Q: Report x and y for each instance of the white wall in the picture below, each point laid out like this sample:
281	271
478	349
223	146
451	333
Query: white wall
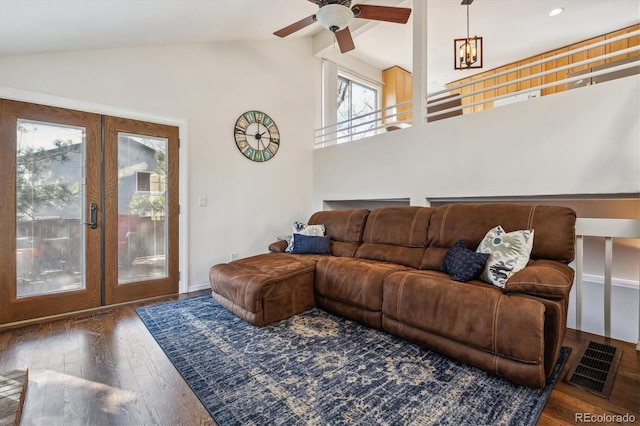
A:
208	86
624	312
583	141
578	142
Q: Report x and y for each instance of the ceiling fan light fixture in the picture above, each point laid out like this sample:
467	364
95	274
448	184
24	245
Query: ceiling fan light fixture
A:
334	17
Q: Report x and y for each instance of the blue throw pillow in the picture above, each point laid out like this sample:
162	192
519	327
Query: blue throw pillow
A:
463	264
309	244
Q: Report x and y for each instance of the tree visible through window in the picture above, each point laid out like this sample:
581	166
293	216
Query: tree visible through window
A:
355	100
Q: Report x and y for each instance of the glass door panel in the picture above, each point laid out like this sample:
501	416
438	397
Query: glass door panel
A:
142	208
50	194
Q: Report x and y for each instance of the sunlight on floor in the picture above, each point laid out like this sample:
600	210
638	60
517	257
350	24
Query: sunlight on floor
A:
106	398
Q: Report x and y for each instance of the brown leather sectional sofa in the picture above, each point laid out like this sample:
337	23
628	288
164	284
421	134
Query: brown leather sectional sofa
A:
384	271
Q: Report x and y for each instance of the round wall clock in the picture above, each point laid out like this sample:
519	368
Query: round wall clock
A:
257	136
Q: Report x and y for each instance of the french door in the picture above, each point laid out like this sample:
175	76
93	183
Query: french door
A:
141	210
88	210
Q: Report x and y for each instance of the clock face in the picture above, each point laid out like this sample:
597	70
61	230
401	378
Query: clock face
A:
257	136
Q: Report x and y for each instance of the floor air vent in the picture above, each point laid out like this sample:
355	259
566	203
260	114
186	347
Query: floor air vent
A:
595	368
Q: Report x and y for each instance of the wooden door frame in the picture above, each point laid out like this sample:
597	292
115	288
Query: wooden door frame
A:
13	308
114	291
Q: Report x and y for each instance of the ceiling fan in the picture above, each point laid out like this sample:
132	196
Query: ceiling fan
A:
336	15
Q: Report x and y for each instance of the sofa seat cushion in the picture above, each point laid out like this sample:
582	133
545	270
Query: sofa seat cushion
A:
265	288
475	313
356	282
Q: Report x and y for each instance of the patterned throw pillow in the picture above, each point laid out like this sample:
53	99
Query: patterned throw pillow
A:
307	244
463	264
304	229
509	253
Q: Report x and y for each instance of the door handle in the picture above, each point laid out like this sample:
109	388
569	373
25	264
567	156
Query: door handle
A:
93	216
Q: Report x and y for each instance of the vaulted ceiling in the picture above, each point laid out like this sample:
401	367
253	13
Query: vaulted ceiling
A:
511	29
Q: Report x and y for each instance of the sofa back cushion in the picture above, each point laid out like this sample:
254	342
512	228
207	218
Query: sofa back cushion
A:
344	227
554	228
396	234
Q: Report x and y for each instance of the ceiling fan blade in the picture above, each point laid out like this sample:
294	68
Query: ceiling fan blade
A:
345	41
399	15
296	26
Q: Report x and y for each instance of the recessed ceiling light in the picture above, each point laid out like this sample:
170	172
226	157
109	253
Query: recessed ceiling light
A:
557	11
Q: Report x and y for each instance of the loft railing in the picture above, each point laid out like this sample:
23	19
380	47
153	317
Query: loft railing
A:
462	99
609	229
465	94
364	125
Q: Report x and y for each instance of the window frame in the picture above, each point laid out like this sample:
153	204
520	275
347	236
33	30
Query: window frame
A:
375	87
138	174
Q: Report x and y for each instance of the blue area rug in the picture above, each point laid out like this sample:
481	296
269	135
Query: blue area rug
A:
318	368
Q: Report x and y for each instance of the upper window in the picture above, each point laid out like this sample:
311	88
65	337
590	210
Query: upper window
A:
356	103
144	182
150	182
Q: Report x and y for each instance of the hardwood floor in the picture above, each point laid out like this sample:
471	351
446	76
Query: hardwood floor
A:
99	369
105	368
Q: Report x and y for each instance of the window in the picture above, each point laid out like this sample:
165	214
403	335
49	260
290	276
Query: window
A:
150	182
144	182
355	101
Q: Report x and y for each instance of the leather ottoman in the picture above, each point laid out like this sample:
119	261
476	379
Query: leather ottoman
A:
265	288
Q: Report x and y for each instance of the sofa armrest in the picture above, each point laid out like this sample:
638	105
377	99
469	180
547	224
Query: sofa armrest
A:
278	247
543	278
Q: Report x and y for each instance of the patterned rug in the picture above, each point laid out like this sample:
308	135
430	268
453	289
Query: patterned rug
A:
317	368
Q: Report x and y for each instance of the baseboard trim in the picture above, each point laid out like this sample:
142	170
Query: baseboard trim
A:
199	287
80	313
615	282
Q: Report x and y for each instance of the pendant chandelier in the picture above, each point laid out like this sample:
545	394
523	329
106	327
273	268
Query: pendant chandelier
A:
467	52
